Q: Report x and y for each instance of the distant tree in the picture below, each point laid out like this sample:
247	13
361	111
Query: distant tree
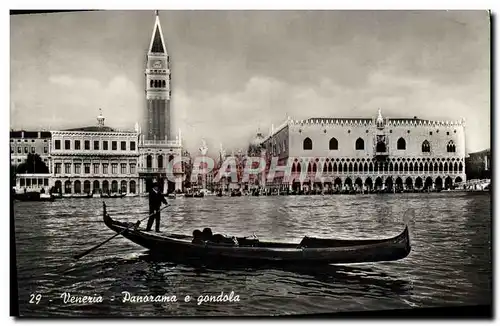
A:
33	164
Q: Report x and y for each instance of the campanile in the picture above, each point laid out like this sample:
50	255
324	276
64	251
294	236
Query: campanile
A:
157	117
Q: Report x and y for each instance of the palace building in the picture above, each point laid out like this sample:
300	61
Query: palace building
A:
23	143
158	147
95	159
376	153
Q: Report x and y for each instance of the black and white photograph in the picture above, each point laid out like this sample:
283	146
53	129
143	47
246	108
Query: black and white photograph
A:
239	163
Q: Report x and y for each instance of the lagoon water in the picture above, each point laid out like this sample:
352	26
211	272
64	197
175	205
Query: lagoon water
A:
450	262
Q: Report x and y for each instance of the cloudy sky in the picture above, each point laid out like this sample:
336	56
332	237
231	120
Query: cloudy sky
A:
234	72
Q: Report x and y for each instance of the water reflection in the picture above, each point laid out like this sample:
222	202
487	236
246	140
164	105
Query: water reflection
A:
450	262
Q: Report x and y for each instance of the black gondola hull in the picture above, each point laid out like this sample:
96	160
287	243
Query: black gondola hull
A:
310	250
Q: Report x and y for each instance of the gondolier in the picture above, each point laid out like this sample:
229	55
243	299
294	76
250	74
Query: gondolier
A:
156	198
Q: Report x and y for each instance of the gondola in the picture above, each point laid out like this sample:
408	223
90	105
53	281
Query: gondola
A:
84	195
252	250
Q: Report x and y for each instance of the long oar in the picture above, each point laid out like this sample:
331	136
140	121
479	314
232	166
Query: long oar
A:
104	242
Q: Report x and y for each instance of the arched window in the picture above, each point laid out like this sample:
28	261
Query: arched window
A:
132	187
123	187
149	161
401	144
334	144
160	161
308	144
450	148
78	187
426	147
360	144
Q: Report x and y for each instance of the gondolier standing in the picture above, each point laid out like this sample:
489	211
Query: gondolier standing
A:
155	200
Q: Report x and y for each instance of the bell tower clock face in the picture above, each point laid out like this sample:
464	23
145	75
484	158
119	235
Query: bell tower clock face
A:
157	64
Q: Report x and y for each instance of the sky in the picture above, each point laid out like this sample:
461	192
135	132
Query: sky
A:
235	72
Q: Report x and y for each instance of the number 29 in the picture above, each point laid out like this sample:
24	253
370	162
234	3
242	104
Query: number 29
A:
35	298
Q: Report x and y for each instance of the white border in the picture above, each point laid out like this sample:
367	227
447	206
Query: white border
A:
200	4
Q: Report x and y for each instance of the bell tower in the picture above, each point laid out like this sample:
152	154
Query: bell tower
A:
157	73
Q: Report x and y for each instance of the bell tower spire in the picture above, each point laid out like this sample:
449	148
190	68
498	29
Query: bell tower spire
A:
156	125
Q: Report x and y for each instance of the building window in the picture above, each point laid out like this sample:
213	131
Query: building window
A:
132	168
450	148
25	150
45	182
57	167
77	144
334	144
426	147
105	145
123	168
430	133
96	168
33	150
45	150
360	144
132	145
105	168
22	182
123	145
401	144
86	168
114	168
67	144
57	144
447	133
96	145
308	144
78	168
67	168
87	145
114	145
19	150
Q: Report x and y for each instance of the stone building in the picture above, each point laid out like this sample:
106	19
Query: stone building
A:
159	149
369	153
23	143
95	159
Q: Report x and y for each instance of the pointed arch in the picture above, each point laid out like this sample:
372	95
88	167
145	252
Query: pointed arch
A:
401	144
426	146
460	167
307	144
330	167
345	168
450	148
455	167
391	167
396	167
411	167
445	168
360	144
334	144
335	167
355	167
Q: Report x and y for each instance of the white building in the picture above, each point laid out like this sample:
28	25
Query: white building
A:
95	159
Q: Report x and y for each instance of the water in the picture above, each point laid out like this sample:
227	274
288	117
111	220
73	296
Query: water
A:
450	262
